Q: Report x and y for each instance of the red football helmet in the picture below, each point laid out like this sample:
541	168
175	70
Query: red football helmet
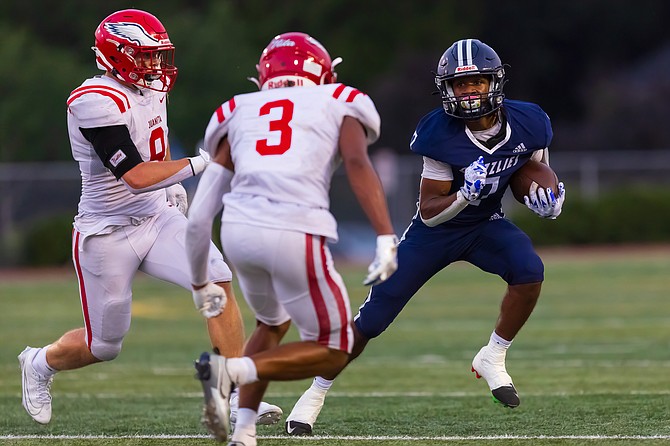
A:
295	59
134	46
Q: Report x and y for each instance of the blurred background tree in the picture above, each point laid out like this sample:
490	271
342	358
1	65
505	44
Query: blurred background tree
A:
598	68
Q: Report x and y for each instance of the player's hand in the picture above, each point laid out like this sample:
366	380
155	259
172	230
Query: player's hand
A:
198	163
176	196
210	300
385	262
475	177
545	203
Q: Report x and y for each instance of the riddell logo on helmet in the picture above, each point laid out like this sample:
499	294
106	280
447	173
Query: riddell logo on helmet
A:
283	82
278	43
467	68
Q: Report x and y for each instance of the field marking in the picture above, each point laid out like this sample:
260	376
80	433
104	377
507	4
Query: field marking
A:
346	437
332	394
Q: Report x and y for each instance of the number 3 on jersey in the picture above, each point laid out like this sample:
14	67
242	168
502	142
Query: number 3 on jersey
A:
281	125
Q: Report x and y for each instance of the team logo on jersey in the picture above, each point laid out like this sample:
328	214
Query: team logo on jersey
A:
133	32
155	121
116	159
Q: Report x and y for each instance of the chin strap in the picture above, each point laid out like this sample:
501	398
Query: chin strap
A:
254	81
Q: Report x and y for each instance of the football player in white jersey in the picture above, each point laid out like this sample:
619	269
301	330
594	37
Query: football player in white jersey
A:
131	210
274	153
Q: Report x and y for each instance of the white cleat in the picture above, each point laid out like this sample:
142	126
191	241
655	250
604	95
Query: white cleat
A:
243	440
268	414
303	416
490	365
36	397
216	385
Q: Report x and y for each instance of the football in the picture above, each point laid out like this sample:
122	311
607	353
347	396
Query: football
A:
532	171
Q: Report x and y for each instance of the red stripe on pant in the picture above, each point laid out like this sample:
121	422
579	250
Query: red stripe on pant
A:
315	292
82	287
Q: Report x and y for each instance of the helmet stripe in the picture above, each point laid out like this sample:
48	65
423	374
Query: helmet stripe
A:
469	51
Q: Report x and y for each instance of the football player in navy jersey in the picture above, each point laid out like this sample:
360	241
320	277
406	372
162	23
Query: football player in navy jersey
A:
471	146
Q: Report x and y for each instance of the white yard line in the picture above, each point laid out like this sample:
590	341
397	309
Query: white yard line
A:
347	438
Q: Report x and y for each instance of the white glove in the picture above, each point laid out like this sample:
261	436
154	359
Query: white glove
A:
386	260
210	300
176	196
543	202
475	177
198	163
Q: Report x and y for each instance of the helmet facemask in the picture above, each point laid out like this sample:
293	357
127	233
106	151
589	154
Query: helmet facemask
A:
472	106
151	64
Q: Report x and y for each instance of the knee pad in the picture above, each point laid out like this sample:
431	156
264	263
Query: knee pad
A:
106	350
115	323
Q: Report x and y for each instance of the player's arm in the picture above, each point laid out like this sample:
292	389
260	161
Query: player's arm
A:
362	177
206	204
369	192
434	199
119	154
436	203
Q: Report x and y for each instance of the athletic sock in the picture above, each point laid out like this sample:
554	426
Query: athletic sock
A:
321	383
242	370
498	342
41	365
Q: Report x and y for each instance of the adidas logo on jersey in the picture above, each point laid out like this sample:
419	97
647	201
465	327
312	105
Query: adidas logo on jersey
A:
520	148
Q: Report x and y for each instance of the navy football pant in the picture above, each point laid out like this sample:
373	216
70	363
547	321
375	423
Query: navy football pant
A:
495	246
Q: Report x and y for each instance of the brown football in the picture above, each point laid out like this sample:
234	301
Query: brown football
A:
535	171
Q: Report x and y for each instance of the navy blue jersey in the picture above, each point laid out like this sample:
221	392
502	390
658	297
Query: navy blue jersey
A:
444	138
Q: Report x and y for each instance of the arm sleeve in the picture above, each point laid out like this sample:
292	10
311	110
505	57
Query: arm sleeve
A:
448	213
114	147
206	203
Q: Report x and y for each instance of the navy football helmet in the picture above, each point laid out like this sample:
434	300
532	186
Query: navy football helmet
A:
464	58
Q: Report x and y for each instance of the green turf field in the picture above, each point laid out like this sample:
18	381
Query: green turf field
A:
592	365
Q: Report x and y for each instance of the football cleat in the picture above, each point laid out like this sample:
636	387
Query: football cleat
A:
268	414
490	365
216	385
303	416
36	396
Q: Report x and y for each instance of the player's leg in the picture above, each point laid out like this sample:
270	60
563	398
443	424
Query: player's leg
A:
166	260
417	263
226	331
505	250
105	292
306	286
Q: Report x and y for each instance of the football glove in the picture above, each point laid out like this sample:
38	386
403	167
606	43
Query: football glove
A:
210	300
176	196
385	262
198	163
475	177
544	202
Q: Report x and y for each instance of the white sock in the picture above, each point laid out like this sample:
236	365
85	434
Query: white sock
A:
245	418
497	342
245	427
321	383
242	370
41	365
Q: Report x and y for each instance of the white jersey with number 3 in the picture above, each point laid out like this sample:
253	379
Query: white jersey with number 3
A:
285	148
103	102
